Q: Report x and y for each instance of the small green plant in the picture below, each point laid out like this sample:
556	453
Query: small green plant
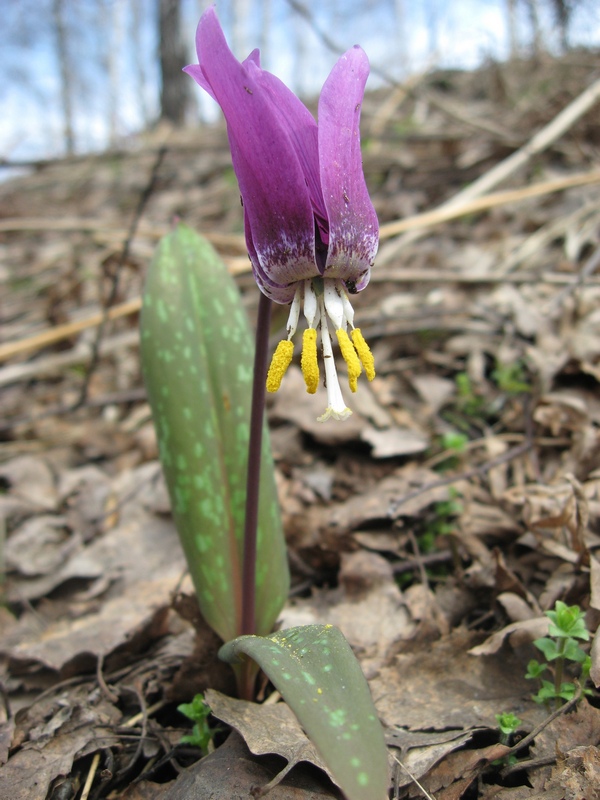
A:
457	442
198	712
567	628
453	445
508	724
443	521
469	402
511	378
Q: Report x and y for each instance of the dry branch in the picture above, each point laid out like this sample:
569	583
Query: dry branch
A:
537	144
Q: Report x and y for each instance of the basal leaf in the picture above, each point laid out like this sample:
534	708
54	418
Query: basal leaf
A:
316	672
197	358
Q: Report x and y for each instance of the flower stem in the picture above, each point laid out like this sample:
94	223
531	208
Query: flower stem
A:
248	621
558	671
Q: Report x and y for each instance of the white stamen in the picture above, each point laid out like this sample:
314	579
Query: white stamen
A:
310	304
348	310
336	407
292	322
334	305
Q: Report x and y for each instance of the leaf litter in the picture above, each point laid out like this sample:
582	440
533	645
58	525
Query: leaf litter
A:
435	527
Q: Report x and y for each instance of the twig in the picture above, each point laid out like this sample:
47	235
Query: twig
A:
537	144
590	266
80	354
90	777
114	289
453	210
56	334
413	778
108	693
509	455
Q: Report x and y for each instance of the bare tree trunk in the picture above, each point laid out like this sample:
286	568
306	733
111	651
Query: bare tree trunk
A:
534	18
511	18
140	58
117	40
562	11
432	22
66	75
401	37
175	91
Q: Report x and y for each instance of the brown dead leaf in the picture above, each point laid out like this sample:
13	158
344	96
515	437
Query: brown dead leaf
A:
82	730
31	481
578	728
6	735
143	580
266	729
434	390
594	583
515	634
595	655
230	773
438	685
40	545
389	442
577	774
420	750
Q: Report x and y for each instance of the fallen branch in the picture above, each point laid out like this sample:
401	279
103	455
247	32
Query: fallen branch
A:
537	144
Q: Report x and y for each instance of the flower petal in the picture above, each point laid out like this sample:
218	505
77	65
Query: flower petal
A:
301	127
272	181
353	226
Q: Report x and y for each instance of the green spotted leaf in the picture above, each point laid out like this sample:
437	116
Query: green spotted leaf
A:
317	674
197	359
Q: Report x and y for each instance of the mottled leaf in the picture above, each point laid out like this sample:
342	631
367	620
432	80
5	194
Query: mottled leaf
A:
197	357
320	679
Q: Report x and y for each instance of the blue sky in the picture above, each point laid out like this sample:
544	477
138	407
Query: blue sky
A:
455	33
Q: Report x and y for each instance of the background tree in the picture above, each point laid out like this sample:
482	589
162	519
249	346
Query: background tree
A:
65	71
175	86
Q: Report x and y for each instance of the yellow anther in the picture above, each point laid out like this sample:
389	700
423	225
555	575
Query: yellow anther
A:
364	353
279	364
350	357
308	362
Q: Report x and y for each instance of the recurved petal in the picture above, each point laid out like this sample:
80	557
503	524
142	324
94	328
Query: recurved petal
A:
353	226
271	178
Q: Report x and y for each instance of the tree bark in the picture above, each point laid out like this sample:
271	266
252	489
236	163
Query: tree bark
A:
66	75
175	90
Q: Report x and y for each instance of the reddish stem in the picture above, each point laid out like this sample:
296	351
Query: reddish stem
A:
257	414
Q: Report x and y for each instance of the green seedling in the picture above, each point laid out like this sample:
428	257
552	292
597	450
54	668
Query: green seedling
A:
443	520
454	444
508	724
567	628
198	712
454	441
469	401
511	378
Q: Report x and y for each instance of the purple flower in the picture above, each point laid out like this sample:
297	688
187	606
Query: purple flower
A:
311	229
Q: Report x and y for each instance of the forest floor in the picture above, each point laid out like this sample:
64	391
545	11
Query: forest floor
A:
434	527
